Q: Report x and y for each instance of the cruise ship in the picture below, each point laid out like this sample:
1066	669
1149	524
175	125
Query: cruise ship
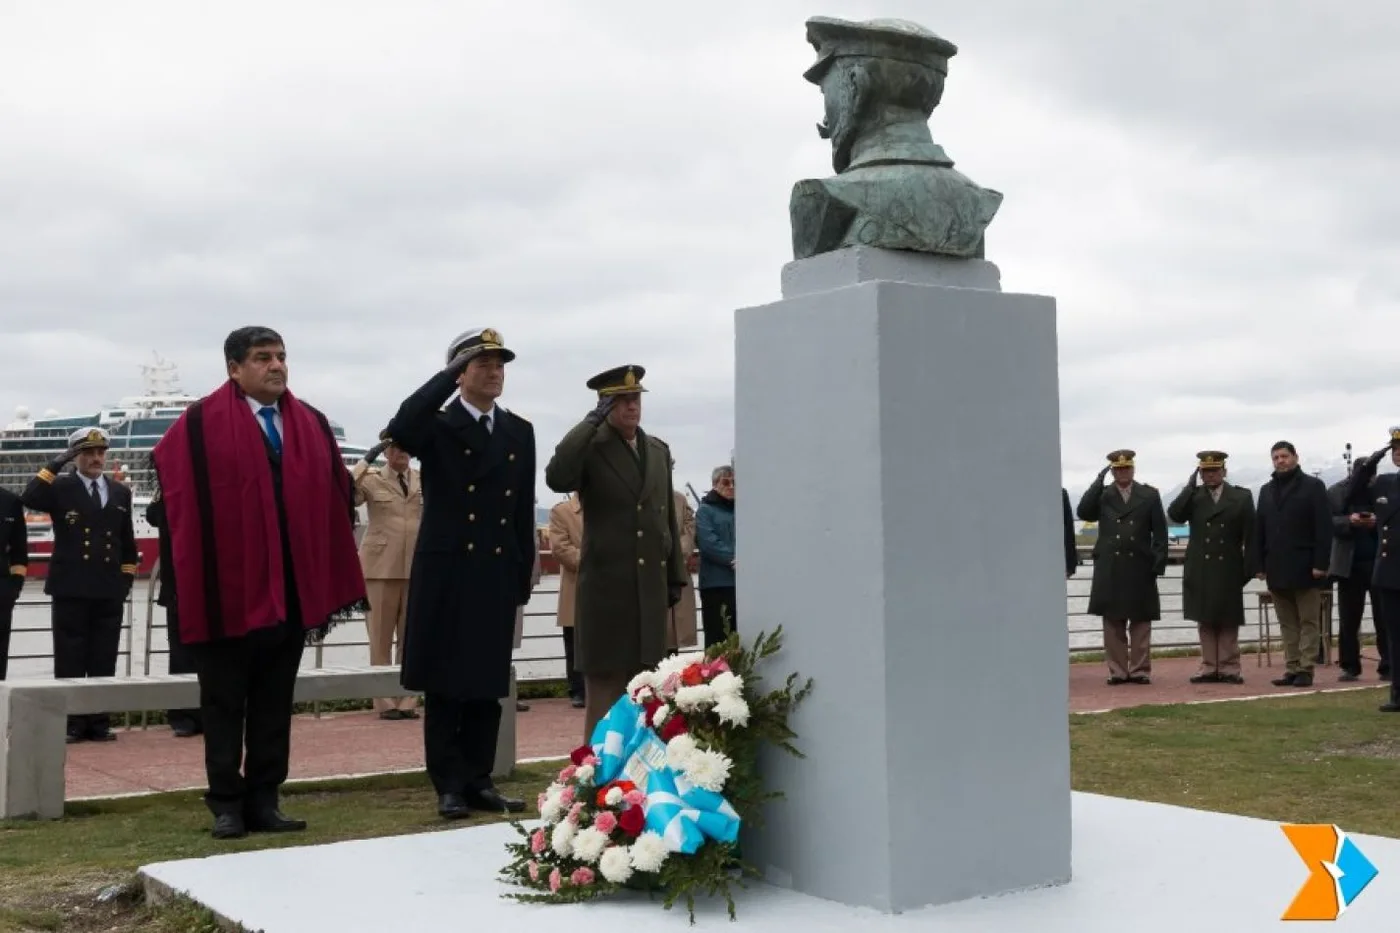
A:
135	424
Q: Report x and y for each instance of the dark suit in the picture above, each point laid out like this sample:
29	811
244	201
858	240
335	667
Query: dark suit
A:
1071	551
1130	553
90	574
182	659
1384	496
14	558
1354	549
472	567
1293	531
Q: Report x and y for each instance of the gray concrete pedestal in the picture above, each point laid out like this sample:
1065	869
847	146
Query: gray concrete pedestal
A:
898	459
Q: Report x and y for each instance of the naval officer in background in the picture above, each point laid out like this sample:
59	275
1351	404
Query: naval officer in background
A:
14	555
472	567
93	565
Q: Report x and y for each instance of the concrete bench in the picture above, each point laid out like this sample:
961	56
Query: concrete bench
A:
34	725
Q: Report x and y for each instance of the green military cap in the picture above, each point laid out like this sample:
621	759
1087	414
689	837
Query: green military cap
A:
1121	458
894	39
1211	459
621	380
481	340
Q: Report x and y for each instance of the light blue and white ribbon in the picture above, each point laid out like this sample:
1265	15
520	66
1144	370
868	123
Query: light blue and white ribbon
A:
678	811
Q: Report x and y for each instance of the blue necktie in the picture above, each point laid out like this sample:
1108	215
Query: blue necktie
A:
267	411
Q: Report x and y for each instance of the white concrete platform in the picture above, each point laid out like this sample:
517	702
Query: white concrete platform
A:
1184	869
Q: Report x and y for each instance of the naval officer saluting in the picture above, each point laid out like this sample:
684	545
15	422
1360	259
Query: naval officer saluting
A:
93	565
472	566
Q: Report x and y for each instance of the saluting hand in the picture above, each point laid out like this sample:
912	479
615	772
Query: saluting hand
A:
600	412
1195	478
63	458
373	453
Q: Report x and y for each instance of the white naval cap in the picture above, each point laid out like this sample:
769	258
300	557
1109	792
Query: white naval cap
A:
89	439
480	340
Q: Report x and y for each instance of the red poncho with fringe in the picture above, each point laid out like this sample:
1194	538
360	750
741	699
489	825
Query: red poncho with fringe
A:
221	516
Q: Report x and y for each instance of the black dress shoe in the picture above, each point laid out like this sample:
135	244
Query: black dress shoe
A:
493	800
1115	681
576	702
75	737
1207	678
1231	679
272	821
229	826
1346	677
1303	679
453	807
1140	679
102	735
184	731
1285	681
521	707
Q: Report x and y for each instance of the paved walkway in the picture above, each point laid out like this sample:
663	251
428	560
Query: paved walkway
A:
142	761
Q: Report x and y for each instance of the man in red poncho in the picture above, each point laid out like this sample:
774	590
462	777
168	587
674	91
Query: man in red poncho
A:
258	504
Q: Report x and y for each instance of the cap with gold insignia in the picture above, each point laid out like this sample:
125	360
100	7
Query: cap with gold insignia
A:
384	436
89	439
622	380
1395	436
1121	458
1211	459
481	340
894	39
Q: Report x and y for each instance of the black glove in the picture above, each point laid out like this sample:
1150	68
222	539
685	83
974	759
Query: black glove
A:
600	413
1195	478
673	594
1380	454
373	453
62	459
130	581
16	584
1103	473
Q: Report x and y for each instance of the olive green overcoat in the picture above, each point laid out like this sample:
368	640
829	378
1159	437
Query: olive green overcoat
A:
1130	552
631	551
1221	556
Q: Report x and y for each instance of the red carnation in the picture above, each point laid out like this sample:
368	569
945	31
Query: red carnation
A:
651	706
580	754
632	820
692	676
673	727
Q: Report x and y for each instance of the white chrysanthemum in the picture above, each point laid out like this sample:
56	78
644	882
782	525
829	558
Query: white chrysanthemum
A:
679	751
644	679
562	838
616	864
727	683
660	716
708	770
671	665
694	698
649	852
732	710
584	774
589	844
614	796
553	809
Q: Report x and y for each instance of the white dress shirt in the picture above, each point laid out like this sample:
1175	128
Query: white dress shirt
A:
101	482
476	414
276	407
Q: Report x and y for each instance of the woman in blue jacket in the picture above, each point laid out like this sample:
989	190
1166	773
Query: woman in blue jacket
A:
714	537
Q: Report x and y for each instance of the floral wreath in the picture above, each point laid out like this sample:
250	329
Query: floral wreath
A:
656	801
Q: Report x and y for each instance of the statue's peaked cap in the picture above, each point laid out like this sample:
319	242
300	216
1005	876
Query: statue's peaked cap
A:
896	39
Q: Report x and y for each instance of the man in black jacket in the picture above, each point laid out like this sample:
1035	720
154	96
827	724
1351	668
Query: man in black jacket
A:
1385	579
1071	551
1354	548
1294	538
183	722
14	555
93	566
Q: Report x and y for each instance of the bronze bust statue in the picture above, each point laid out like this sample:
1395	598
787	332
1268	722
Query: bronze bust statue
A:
895	188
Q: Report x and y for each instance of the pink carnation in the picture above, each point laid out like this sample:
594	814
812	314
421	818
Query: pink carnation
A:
671	684
717	666
575	812
534	869
634	798
539	801
537	842
581	877
554	880
605	822
567	797
567	774
592	760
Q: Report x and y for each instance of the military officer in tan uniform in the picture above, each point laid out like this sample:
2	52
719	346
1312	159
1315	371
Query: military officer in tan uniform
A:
1129	555
680	631
393	495
1220	560
630	573
565	540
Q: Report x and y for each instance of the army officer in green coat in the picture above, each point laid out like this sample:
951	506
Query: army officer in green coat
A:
630	566
1129	555
1220	560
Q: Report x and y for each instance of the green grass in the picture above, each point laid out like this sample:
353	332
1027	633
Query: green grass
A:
1313	757
1318	757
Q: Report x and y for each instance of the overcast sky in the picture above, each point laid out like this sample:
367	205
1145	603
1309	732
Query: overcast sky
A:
1208	189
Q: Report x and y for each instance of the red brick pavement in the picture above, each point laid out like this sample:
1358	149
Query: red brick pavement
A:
142	761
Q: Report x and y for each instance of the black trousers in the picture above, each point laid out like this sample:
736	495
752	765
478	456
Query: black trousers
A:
182	661
1351	605
1387	612
459	742
574	677
716	603
7	618
86	637
246	686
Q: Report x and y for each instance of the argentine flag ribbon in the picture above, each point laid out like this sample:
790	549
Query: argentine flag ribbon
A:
682	814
